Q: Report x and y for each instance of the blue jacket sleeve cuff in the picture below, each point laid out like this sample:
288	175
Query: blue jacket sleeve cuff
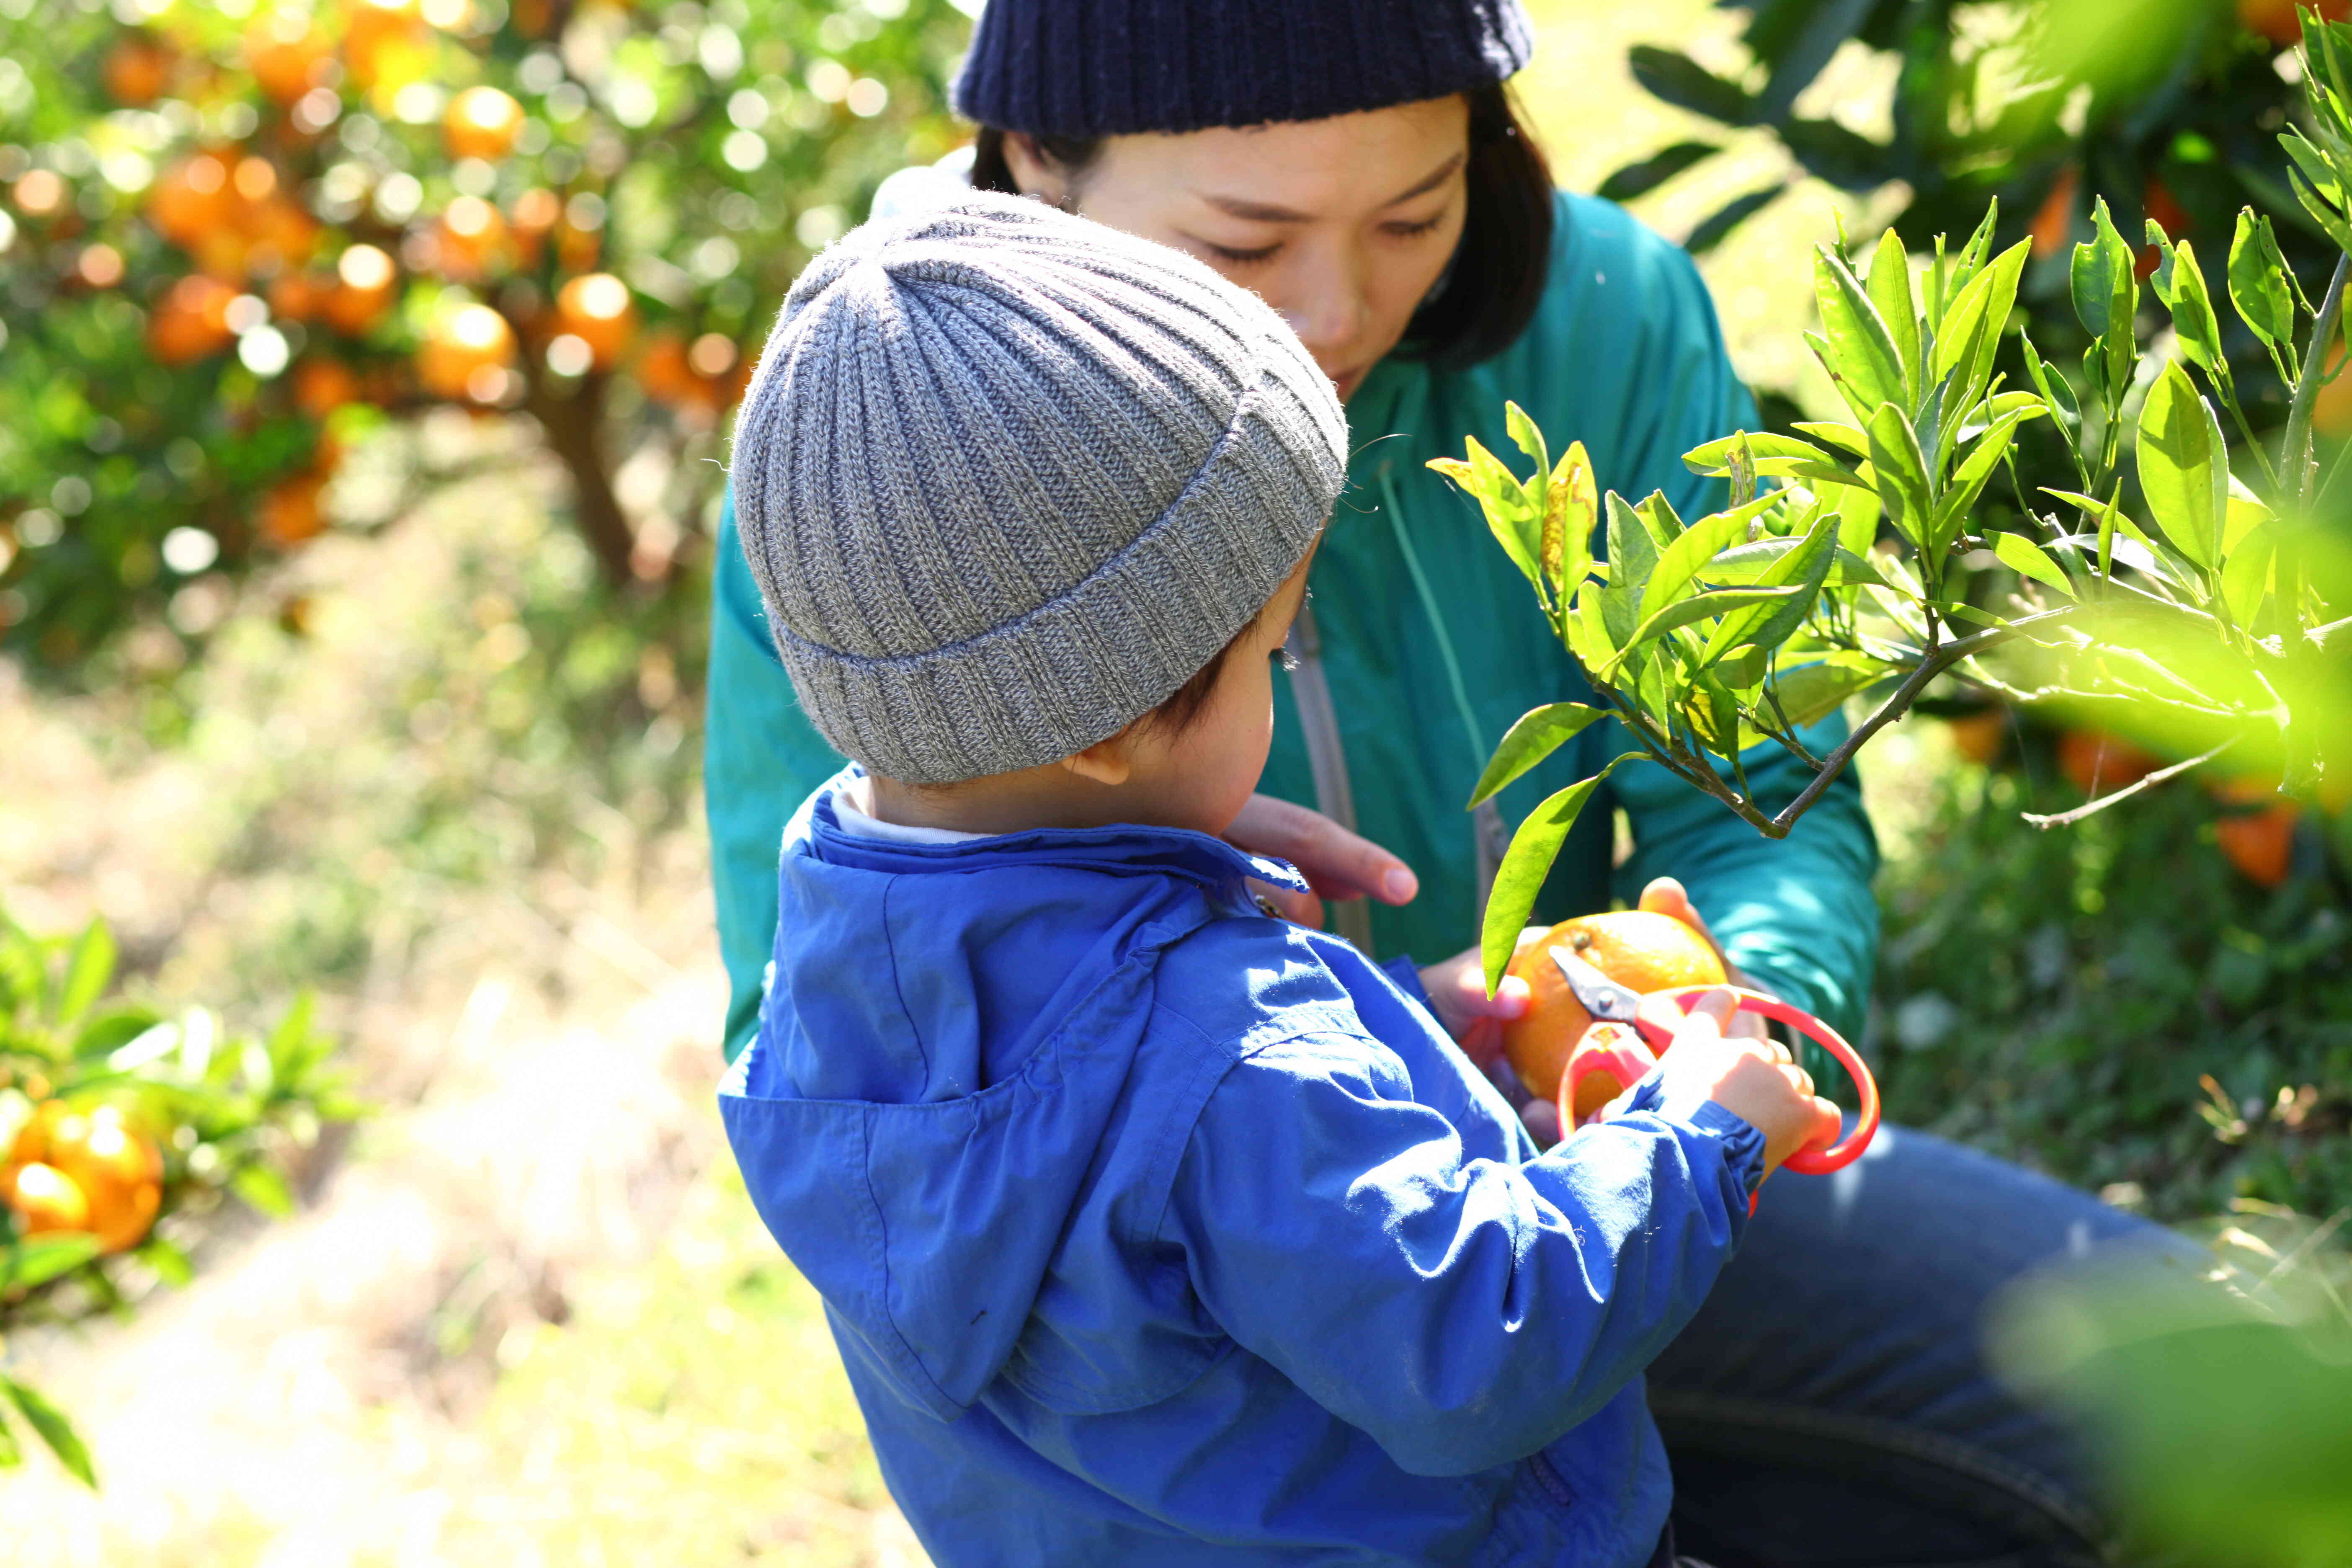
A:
1742	1145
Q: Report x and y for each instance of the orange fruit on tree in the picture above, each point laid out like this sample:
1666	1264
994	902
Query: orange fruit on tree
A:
467	354
119	1170
136	70
191	198
284	51
321	385
1981	735
470	242
365	280
32	1139
289	510
191	321
597	310
1637	948
481	123
2095	763
386	43
2276	19
2053	220
45	1199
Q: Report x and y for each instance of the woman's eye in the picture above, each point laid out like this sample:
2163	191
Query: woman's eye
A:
1409	230
1234	258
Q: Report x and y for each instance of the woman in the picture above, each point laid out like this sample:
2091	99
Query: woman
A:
1359	163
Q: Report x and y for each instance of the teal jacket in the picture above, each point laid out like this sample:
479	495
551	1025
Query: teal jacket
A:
1625	355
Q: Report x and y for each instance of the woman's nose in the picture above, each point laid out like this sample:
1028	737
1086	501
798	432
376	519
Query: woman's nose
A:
1328	316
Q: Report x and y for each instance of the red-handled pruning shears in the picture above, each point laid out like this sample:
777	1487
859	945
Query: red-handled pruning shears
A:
1622	1044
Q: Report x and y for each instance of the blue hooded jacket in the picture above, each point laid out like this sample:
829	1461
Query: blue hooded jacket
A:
1154	1230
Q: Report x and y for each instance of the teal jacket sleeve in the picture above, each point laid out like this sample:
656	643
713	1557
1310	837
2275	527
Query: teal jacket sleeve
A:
1796	913
760	758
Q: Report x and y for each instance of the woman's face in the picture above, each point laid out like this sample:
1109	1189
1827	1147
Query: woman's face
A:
1342	224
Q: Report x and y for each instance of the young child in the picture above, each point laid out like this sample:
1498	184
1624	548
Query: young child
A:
1152	1229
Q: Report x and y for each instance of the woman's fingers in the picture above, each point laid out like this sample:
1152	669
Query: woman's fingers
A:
1665	896
1340	864
1457	994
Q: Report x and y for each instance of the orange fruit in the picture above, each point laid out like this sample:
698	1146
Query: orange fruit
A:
470	242
598	310
482	122
191	321
32	1140
2261	844
45	1199
289	510
191	198
2276	19
365	280
1636	948
462	350
2101	765
136	70
323	386
117	1168
297	295
2053	220
386	43
1980	736
284	53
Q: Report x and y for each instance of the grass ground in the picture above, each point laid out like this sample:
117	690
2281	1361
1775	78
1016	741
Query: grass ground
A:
527	1315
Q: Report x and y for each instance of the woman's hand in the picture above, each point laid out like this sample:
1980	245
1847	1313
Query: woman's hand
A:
1336	864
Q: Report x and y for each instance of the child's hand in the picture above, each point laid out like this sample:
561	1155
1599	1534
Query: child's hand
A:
1756	1080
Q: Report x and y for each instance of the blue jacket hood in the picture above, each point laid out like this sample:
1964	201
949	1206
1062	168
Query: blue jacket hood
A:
990	1011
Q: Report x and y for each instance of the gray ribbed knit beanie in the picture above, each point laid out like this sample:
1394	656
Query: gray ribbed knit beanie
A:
1007	478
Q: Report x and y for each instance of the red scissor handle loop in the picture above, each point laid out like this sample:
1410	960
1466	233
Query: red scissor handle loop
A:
1847	1150
1614	1049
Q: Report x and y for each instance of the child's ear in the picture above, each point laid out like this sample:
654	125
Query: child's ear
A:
1109	762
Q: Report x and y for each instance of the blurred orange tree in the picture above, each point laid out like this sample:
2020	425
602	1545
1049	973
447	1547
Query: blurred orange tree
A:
232	237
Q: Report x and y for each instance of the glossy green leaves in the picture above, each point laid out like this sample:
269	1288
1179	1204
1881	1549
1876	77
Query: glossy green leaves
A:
2183	469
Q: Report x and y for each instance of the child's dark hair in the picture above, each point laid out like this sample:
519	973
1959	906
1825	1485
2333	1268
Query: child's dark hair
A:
1182	708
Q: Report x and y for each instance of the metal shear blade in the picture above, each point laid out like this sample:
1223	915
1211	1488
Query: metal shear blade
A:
1599	995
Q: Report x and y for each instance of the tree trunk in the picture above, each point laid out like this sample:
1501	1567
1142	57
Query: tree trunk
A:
576	433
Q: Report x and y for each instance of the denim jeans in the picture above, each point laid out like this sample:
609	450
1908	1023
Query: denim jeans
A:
1830	1405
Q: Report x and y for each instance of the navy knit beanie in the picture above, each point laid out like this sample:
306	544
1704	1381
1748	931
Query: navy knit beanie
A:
1107	68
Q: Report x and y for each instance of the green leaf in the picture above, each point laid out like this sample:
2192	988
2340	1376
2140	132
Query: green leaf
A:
111	1030
1847	438
1510	514
1712	229
11	1453
265	1189
2258	280
1768	625
1812	692
1699	543
1860	357
1571	509
1782	456
2246	574
2183	470
1970	335
89	966
2028	559
1537	735
1631	555
53	1428
38	1259
2096	264
1700	606
1587	630
1858	524
1902	472
2053	389
1969	479
170	1265
1525	866
1684	83
1529	440
2192	310
2107	513
1890	290
1659	517
1832	152
1743	670
1640	179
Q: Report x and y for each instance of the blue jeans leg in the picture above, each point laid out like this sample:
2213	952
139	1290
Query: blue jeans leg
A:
1830	1405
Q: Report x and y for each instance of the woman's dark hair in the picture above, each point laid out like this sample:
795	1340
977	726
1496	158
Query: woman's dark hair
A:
1490	289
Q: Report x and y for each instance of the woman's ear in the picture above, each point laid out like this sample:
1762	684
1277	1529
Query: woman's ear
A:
1109	762
1035	170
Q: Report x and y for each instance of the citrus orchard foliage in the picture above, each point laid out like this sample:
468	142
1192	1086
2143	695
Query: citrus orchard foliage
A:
233	235
2193	588
117	1124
